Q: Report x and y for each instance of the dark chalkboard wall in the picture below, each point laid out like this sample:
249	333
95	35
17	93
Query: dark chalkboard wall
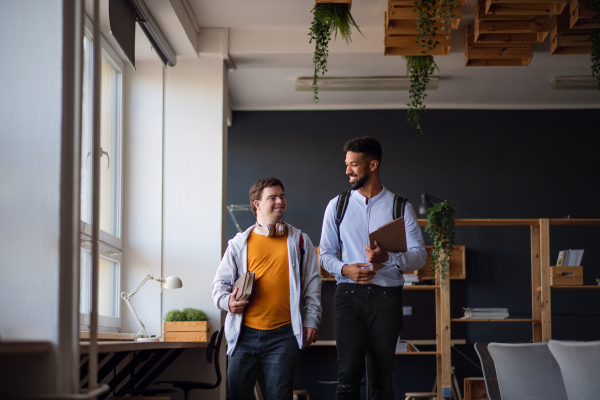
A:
488	164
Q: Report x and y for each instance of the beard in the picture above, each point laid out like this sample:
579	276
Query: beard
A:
360	182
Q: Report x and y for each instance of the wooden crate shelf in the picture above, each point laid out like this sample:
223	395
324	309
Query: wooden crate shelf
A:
457	264
519	7
495	55
491	28
475	389
564	40
404	10
495	320
401	39
581	17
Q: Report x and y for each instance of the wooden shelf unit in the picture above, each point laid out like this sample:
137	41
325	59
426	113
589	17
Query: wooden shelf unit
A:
545	287
496	320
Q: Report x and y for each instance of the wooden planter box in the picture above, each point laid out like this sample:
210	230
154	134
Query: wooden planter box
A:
558	279
581	15
405	10
475	389
402	40
530	7
491	28
495	55
564	40
189	331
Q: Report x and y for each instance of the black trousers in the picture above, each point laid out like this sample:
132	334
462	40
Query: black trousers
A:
368	319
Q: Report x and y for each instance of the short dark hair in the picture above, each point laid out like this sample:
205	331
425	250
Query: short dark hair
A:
368	146
257	188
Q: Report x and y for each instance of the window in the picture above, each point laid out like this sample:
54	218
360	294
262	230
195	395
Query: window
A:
110	244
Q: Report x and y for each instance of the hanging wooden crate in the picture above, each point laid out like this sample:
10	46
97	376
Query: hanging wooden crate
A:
396	44
490	28
409	26
564	40
581	15
494	55
405	10
520	7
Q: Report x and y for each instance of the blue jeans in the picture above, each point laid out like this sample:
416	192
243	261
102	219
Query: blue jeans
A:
275	351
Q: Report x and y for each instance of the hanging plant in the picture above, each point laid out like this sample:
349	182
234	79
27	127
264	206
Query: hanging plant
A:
440	226
594	6
445	15
327	19
419	68
426	18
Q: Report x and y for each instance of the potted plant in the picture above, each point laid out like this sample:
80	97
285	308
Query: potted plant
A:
327	19
440	226
187	325
594	6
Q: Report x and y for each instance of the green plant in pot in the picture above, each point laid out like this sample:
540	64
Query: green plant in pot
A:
187	314
328	18
187	325
440	227
594	6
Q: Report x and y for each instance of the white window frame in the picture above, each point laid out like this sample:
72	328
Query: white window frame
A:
109	246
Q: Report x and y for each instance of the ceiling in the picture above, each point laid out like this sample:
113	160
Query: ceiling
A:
268	43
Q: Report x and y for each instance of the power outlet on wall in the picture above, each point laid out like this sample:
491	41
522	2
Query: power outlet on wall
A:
407	311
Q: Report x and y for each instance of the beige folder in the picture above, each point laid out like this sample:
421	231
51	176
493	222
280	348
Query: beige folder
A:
391	237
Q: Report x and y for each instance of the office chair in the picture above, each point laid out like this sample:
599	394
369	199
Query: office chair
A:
212	353
489	371
527	371
579	363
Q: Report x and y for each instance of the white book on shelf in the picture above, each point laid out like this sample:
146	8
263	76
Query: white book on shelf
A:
580	257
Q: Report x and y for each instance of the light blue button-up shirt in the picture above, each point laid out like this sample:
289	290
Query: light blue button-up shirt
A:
362	217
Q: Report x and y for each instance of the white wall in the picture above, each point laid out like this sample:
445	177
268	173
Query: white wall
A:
195	194
142	192
30	138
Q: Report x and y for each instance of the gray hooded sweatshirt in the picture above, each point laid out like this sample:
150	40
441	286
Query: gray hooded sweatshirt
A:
305	297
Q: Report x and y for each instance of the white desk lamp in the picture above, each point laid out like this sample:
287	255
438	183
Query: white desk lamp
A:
172	282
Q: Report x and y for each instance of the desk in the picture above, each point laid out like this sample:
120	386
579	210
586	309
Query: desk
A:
118	346
148	360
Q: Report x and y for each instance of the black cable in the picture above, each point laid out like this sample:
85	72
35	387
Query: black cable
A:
468	359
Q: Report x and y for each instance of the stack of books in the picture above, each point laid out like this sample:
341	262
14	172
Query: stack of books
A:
410	279
485	313
405	347
569	258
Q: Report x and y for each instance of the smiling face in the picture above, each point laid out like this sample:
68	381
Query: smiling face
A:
358	169
272	205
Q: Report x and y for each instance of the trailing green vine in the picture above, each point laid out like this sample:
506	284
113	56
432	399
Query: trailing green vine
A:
419	68
327	19
425	10
594	6
445	15
440	226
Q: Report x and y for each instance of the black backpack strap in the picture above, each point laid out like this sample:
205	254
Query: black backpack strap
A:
301	245
399	205
340	211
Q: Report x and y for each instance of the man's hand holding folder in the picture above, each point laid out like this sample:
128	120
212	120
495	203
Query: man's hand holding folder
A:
236	307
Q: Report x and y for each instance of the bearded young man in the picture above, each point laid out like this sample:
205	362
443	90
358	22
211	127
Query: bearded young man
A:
284	310
368	304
